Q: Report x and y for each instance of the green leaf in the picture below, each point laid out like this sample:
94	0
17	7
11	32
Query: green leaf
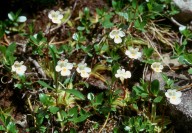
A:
190	71
80	28
12	128
73	112
106	23
140	25
42	129
188	58
90	96
80	118
124	15
86	11
53	54
34	40
9	53
148	52
135	106
158	99
155	87
11	47
2	128
18	86
72	130
42	83
11	16
54	59
83	116
2	29
46	100
104	48
98	99
2	49
76	93
53	109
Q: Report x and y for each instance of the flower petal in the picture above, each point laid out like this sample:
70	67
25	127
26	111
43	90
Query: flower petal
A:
117	75
87	69
117	39
84	74
178	94
113	33
23	67
121	34
56	21
167	94
65	72
60	16
175	101
58	68
20	72
127	74
69	65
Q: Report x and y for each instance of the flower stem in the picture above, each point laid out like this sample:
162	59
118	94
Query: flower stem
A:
153	112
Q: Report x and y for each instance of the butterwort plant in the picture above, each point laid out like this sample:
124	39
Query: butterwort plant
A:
19	68
122	74
174	96
117	34
133	53
55	16
157	67
64	67
83	70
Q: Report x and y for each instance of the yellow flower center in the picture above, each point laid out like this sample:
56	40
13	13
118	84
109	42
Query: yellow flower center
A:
173	97
116	36
64	69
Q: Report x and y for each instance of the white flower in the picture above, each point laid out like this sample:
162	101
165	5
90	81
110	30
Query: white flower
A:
174	96
133	53
19	68
157	67
64	67
55	16
127	128
182	28
116	35
122	74
147	0
83	70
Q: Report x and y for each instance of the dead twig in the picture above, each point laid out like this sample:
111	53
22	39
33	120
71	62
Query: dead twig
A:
38	67
5	38
175	22
185	87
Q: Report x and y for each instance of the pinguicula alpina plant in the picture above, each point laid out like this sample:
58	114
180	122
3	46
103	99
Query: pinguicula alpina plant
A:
122	74
55	16
157	67
117	35
133	53
19	68
83	70
174	96
64	67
